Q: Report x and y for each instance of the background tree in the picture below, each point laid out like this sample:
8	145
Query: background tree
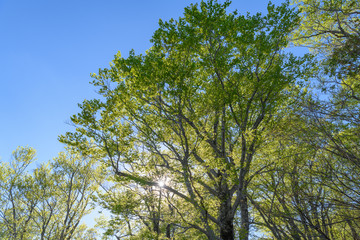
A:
48	203
299	197
315	197
332	29
16	204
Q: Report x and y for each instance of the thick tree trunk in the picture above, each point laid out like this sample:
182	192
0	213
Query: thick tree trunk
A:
226	217
245	224
227	229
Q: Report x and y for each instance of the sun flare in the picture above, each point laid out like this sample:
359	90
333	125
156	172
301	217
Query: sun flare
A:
161	183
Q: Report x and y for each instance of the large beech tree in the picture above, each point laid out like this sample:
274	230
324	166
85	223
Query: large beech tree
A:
195	109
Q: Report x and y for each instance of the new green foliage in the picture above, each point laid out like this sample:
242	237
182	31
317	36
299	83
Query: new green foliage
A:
196	108
48	202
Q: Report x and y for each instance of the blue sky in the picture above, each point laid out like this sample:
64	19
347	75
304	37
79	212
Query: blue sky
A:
48	50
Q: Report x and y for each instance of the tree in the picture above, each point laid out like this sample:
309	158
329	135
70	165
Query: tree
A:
15	207
332	28
337	35
196	107
308	193
315	196
48	203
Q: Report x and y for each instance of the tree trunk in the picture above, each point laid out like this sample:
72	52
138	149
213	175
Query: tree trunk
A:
227	229
245	224
168	231
226	217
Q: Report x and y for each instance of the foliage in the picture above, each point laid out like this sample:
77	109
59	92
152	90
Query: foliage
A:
316	195
331	28
196	108
215	132
47	203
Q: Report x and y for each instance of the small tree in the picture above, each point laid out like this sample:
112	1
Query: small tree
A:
47	203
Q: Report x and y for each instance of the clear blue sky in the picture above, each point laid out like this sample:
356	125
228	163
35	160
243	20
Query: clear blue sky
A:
49	48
